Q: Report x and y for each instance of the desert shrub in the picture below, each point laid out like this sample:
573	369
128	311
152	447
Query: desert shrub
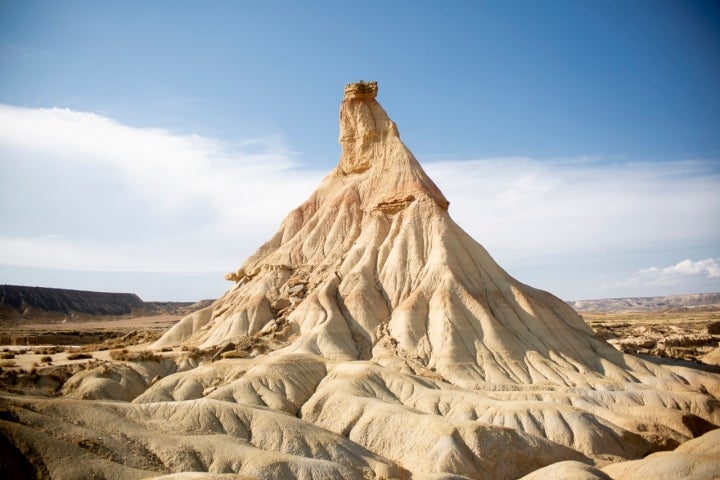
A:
166	349
118	341
194	352
7	363
49	350
7	355
119	354
145	355
78	356
46	359
137	356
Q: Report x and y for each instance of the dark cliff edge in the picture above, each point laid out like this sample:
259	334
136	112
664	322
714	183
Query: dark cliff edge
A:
17	302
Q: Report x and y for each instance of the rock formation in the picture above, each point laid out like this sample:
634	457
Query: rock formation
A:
18	302
371	337
638	304
41	304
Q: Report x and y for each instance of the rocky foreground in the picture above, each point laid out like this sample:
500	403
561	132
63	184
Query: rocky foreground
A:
371	337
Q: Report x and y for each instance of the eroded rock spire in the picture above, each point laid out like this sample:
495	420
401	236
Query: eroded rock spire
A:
369	138
363	126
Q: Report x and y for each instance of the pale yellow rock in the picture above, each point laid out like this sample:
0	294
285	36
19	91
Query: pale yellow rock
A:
698	459
712	357
389	277
381	259
84	439
568	470
120	382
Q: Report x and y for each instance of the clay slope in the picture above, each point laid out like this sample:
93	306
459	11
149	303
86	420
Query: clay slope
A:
372	338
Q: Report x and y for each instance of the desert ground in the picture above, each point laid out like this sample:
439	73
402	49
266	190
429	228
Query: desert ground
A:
640	332
689	334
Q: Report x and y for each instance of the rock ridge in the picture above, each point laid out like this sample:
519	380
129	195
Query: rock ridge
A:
15	301
371	337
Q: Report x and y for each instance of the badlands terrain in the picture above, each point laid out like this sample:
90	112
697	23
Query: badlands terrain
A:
370	337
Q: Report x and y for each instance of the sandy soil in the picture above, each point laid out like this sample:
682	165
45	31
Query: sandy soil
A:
616	327
132	323
90	335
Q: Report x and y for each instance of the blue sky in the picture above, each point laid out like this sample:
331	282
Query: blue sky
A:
152	146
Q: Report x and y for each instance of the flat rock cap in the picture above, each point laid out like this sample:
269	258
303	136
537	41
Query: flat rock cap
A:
361	89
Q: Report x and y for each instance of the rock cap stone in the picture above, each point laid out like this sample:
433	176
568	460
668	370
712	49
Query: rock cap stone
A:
362	90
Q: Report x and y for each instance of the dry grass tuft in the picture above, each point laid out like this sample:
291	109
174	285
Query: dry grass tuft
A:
125	355
79	356
116	343
49	350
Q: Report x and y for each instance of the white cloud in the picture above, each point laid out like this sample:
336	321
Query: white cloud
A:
674	274
535	211
685	276
84	192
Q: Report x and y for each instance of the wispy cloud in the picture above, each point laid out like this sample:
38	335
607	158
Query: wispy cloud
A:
674	274
548	209
685	276
84	192
10	51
